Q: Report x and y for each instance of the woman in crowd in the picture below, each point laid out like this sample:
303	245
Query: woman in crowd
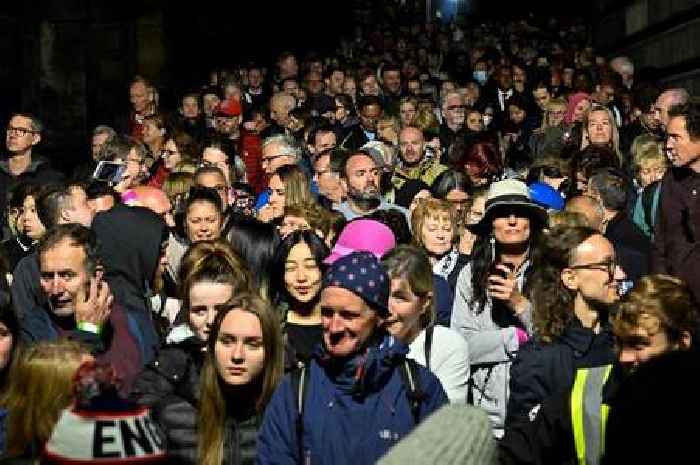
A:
297	272
219	152
453	186
178	152
154	137
472	215
288	186
211	274
483	163
491	309
39	387
345	116
203	215
577	107
407	111
412	320
29	228
435	229
217	423
600	129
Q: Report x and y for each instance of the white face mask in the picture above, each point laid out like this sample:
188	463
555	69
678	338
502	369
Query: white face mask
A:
480	77
487	120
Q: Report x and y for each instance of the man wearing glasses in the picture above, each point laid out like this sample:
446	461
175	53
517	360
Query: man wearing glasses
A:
572	294
23	132
453	117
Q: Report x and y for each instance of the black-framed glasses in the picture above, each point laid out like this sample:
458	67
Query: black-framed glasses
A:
21	132
265	160
608	266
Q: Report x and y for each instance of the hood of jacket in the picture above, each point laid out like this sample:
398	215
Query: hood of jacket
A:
130	240
368	370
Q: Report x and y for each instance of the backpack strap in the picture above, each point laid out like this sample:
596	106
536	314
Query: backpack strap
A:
428	344
414	392
300	380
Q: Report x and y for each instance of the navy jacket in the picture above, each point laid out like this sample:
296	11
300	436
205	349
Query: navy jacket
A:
347	421
543	370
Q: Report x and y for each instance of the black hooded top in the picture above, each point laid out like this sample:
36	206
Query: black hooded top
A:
130	240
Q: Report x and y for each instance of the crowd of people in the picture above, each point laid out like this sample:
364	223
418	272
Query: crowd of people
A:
302	262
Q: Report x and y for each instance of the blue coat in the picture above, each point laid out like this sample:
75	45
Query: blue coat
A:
346	420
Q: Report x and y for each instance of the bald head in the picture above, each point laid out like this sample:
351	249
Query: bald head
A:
589	207
155	200
666	100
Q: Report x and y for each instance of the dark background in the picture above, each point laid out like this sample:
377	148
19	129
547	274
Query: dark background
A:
69	61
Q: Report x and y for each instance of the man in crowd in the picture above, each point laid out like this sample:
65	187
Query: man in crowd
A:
453	114
360	177
22	135
415	171
677	232
80	304
354	404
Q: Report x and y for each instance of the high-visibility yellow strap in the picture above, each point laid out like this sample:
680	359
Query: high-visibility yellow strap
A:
577	415
604	411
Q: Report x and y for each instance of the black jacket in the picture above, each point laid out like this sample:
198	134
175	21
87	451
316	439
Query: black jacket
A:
39	172
543	370
170	386
26	286
548	439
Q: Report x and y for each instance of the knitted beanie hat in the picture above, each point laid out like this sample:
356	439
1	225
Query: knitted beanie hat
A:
102	428
455	434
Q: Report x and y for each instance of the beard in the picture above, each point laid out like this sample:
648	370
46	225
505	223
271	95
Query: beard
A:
366	199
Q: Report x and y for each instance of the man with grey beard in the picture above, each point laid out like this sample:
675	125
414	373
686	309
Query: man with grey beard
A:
360	179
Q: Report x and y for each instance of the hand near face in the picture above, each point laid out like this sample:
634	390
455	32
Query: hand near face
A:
265	214
94	305
506	290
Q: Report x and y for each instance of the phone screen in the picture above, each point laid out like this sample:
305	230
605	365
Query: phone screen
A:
109	172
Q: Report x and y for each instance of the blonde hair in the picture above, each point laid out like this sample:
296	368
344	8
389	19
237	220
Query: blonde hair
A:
657	302
432	209
614	132
296	185
40	387
648	154
567	219
314	214
213	401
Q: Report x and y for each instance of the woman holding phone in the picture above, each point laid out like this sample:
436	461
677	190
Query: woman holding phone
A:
491	309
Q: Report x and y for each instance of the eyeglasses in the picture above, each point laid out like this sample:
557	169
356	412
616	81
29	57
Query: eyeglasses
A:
265	160
608	266
21	132
457	108
165	153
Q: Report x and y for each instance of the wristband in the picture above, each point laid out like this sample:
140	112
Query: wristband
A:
89	327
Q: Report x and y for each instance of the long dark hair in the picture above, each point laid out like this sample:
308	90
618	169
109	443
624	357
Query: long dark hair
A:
255	242
484	256
552	302
319	250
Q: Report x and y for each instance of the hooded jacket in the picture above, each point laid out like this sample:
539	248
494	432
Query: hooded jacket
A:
355	409
130	240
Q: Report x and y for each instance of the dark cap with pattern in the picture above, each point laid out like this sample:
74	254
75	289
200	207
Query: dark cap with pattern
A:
362	274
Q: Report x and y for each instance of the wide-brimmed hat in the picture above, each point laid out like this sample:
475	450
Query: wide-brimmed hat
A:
509	193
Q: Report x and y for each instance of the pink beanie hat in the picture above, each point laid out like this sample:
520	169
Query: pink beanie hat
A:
362	235
573	101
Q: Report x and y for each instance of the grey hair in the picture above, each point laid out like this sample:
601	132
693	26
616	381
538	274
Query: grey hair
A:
443	100
102	129
288	144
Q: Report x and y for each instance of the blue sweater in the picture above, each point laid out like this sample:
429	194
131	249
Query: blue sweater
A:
348	420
